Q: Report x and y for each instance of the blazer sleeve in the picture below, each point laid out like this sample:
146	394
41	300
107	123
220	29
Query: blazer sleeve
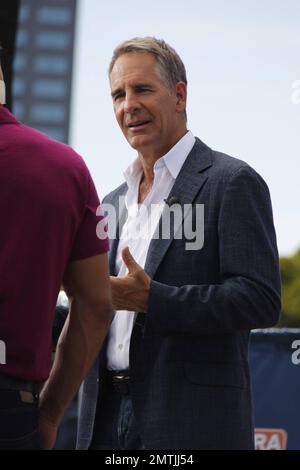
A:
248	295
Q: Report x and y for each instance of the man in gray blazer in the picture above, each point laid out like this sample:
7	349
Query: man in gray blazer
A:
188	284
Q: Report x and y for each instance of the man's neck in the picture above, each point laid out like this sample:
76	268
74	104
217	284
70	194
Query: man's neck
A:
149	158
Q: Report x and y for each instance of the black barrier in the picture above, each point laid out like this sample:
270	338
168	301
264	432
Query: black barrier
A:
275	371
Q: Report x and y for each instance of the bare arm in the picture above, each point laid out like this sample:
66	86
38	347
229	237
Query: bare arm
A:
87	285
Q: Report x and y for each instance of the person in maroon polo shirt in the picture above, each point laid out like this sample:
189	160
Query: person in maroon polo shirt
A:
47	237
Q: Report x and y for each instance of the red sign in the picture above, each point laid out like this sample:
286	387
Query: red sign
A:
270	439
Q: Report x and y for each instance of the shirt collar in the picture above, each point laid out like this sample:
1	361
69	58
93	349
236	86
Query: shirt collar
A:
176	157
173	160
133	172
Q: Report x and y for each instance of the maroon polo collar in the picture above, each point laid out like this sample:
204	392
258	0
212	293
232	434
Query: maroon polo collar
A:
6	117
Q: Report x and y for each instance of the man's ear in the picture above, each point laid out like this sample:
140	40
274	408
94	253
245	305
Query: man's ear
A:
181	92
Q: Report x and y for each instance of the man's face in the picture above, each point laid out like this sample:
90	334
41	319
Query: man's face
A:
149	114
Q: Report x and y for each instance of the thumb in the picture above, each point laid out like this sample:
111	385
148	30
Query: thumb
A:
129	260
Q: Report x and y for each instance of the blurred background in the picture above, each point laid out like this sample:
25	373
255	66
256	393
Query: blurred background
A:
242	61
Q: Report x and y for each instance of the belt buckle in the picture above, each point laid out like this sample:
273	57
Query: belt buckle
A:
121	383
31	396
26	397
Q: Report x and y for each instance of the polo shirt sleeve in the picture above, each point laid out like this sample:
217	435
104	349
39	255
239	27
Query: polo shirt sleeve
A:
87	243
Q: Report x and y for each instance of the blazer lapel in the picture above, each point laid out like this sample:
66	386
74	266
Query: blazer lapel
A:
186	187
120	218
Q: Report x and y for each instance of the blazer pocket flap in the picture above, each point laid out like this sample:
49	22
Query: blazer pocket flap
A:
216	374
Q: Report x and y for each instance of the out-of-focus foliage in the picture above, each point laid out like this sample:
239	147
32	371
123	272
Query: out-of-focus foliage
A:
290	277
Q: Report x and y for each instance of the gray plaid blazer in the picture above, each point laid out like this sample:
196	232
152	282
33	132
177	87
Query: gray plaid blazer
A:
190	381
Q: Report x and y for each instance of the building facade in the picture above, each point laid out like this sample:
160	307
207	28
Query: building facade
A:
43	65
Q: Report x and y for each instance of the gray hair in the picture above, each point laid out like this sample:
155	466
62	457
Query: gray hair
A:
170	66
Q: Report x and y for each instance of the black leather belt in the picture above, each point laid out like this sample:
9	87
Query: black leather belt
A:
119	380
8	382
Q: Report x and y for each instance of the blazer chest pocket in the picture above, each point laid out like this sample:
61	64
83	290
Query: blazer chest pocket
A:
216	374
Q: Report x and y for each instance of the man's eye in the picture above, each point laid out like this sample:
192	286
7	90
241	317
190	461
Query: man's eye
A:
118	95
143	90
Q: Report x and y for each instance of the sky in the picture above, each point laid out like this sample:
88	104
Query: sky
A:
243	69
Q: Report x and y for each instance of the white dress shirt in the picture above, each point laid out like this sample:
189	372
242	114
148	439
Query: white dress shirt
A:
137	233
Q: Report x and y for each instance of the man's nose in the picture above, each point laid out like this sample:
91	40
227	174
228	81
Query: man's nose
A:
131	103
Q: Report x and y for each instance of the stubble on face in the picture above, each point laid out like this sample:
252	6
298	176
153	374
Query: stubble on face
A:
144	106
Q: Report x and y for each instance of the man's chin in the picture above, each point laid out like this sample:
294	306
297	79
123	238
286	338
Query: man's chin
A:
138	141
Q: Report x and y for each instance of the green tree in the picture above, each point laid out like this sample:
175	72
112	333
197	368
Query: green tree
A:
290	277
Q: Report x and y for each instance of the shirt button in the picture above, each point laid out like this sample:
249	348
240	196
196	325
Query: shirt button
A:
120	346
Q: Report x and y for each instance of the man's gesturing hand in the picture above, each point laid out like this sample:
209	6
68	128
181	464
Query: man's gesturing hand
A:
131	292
